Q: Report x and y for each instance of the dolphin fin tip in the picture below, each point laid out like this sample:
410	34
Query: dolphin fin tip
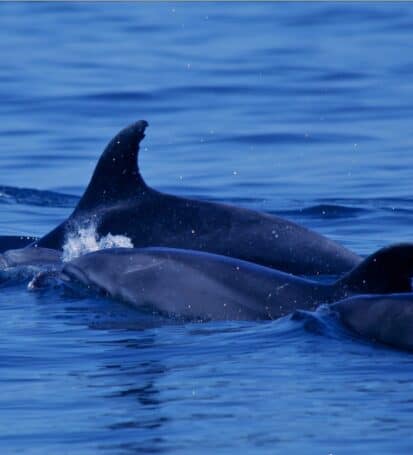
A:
141	125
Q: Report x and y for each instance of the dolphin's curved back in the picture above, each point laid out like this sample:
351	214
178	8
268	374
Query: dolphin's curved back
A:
385	318
118	201
198	284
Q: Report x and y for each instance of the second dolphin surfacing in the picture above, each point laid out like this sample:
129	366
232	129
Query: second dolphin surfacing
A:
196	285
119	201
385	318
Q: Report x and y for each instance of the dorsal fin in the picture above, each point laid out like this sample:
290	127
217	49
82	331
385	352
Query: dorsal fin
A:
388	270
116	175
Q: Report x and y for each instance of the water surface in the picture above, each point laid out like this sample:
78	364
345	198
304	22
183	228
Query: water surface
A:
303	110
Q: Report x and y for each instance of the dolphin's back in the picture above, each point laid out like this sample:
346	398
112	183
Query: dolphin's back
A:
191	283
121	203
384	318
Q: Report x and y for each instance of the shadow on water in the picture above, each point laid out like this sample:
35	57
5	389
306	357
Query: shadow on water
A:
142	427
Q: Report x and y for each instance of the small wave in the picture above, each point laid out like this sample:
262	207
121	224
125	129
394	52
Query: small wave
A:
323	321
326	211
83	239
310	321
129	96
285	138
43	198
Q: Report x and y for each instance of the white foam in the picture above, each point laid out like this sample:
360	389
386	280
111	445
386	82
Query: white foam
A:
84	239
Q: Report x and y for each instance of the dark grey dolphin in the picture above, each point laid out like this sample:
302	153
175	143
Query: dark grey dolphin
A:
120	203
387	319
199	285
25	263
22	257
11	242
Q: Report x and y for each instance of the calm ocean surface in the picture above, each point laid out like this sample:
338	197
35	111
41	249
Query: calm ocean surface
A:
304	110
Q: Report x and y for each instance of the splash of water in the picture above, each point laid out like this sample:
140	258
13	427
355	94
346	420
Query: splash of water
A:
85	239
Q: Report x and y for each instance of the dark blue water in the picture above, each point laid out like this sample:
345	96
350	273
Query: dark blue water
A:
305	110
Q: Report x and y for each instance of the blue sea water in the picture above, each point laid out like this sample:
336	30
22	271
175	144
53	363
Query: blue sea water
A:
303	110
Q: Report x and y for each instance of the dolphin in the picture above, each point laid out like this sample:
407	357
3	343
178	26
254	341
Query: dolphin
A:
119	202
25	263
206	286
11	242
387	319
30	256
